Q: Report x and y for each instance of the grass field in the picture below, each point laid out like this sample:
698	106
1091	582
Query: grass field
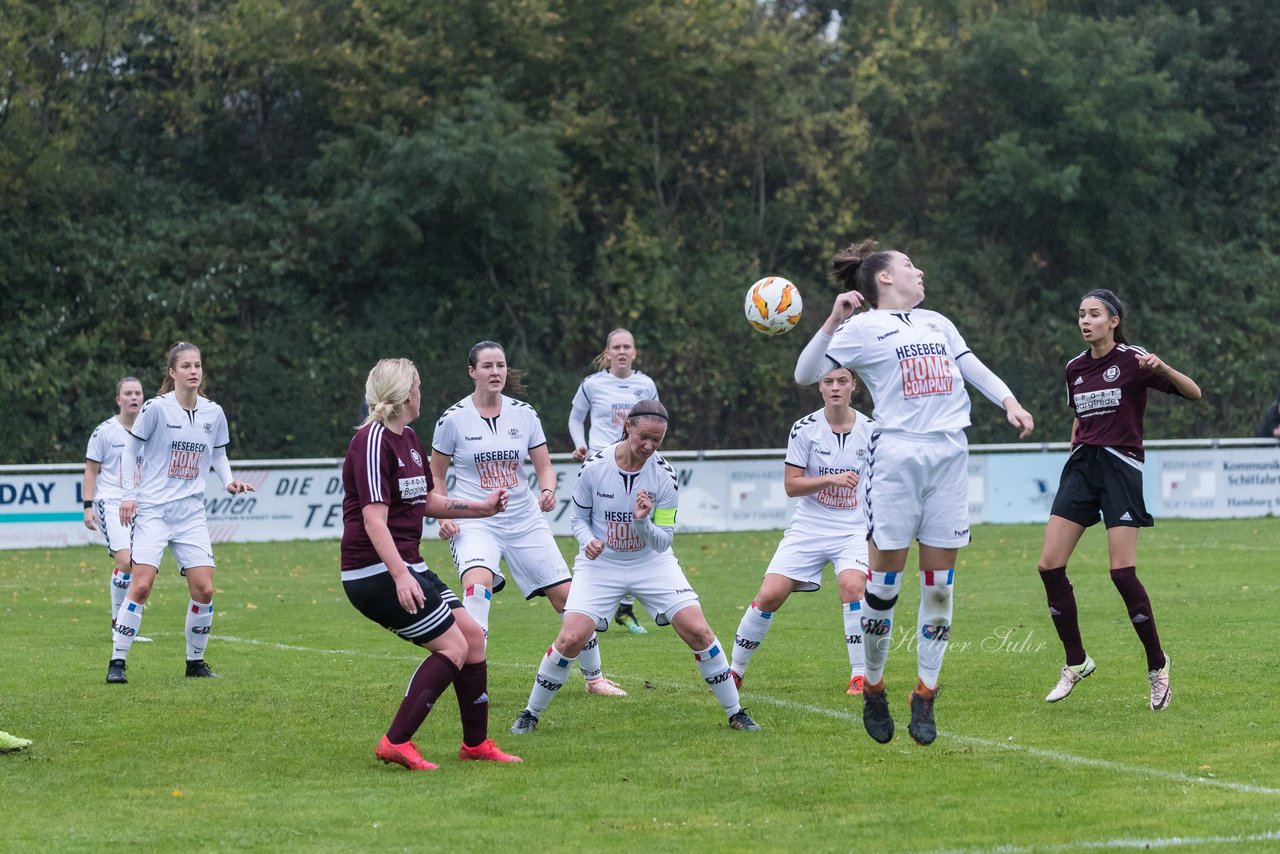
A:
278	755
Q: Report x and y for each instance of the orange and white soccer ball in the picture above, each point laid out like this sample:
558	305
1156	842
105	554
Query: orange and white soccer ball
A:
773	305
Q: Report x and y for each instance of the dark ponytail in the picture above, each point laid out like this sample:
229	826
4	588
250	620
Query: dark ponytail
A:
856	266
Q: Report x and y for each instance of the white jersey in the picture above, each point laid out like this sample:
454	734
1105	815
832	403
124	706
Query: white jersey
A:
907	360
608	399
818	450
178	447
604	495
489	453
106	448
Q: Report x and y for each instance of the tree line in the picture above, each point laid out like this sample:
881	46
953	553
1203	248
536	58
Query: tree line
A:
304	187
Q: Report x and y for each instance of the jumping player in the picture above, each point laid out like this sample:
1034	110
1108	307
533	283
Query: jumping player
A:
104	484
826	454
915	365
386	494
608	395
487	436
1107	388
624	517
176	438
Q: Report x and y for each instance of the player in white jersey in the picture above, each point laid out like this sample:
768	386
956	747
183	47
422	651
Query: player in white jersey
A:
826	455
176	438
104	484
487	436
915	365
607	396
624	518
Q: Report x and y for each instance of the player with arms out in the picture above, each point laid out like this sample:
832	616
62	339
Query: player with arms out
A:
386	494
487	436
104	484
607	396
176	438
826	455
1107	389
915	365
624	518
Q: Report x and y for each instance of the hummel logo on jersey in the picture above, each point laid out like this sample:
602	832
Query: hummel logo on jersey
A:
474	438
1125	517
888	335
604	495
1078	381
173	426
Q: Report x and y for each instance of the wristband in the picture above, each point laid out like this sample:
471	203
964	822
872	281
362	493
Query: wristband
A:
546	489
88	502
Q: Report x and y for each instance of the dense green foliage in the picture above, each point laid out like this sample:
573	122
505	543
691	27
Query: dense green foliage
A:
304	187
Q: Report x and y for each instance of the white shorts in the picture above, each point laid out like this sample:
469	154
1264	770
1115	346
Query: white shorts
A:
657	581
802	555
180	525
116	534
530	550
918	489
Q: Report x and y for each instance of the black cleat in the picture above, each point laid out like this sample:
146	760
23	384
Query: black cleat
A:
741	720
526	722
115	672
875	715
922	727
197	669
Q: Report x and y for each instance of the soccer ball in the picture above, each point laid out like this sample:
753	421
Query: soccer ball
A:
773	305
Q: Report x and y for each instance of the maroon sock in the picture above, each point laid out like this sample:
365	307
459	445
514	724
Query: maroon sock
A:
429	681
472	688
1144	622
1062	609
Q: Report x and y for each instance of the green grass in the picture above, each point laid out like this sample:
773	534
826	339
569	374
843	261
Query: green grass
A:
279	754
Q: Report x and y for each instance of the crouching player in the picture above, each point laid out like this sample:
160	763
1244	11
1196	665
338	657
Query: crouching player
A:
624	516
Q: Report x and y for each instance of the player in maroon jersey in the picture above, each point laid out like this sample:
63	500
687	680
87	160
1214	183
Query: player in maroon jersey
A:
1107	387
386	494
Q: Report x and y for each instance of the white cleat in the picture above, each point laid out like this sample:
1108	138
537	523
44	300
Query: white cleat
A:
1161	693
1071	674
604	687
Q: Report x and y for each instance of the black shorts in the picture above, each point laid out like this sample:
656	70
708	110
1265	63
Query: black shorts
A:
1096	481
375	597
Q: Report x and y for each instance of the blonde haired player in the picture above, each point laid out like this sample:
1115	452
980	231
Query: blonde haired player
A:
915	365
104	485
487	436
624	518
176	438
826	456
607	396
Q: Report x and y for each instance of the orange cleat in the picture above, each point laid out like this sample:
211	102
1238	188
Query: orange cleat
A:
486	751
855	686
405	754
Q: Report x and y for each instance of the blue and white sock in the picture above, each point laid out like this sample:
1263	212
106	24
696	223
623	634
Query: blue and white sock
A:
199	624
877	621
934	623
852	613
128	620
714	667
752	628
552	673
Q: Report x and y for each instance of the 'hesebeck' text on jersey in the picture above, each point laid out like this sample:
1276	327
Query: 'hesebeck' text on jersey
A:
604	499
178	447
489	453
907	360
818	450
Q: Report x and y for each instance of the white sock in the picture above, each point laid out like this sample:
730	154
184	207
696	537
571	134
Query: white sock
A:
128	620
119	587
852	612
475	600
934	623
199	623
751	631
589	659
877	620
552	673
714	667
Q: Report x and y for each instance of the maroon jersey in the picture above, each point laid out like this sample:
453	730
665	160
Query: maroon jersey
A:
383	468
1109	396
